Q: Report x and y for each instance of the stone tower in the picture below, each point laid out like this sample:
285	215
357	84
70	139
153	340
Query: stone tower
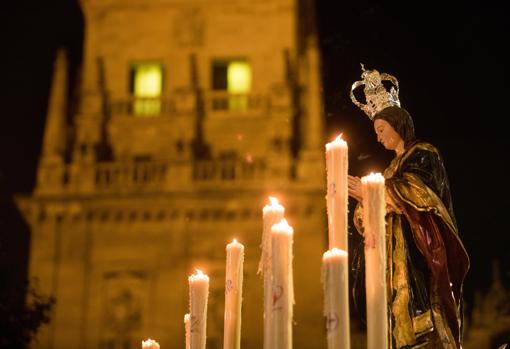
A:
191	113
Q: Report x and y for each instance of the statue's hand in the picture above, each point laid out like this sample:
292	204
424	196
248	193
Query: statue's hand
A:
354	187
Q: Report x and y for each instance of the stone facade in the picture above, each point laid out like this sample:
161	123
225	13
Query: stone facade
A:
127	206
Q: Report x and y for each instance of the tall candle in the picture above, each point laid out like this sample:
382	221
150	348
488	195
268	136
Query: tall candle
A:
198	294
336	198
233	296
283	285
335	281
374	209
186	331
150	344
271	214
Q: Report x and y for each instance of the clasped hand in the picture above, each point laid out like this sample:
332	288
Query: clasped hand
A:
354	187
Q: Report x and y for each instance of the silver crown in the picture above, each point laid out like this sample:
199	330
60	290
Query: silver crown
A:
376	95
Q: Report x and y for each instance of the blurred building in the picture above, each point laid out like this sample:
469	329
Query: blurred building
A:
190	114
489	325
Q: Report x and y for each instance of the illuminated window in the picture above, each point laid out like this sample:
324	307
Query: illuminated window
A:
234	77
146	85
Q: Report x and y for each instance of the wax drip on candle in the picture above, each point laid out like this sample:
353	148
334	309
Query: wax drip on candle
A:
187	326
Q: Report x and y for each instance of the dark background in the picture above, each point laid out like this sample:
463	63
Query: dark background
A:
451	69
448	59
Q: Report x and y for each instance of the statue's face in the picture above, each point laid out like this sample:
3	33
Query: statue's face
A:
386	134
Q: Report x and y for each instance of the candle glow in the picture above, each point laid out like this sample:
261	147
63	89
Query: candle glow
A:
335	271
198	297
337	192
373	178
337	142
282	285
374	210
233	295
334	253
198	276
274	206
271	213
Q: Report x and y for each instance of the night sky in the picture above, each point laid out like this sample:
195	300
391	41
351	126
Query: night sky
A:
449	62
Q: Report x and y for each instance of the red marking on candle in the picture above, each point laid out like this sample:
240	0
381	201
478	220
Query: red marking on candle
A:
331	322
332	188
193	324
277	294
369	241
229	286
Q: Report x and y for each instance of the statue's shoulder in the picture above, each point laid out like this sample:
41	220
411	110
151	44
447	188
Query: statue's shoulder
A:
421	146
419	152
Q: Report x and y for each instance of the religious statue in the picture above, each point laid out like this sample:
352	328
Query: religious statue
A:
426	260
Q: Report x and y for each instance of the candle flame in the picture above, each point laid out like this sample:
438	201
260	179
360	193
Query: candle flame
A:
150	343
373	178
274	201
338	142
199	272
282	227
334	253
234	241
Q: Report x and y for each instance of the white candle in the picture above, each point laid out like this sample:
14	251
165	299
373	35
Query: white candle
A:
283	285
374	209
198	294
233	296
150	344
271	214
186	331
336	198
335	281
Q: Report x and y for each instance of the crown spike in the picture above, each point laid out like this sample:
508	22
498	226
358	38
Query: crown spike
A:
377	97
